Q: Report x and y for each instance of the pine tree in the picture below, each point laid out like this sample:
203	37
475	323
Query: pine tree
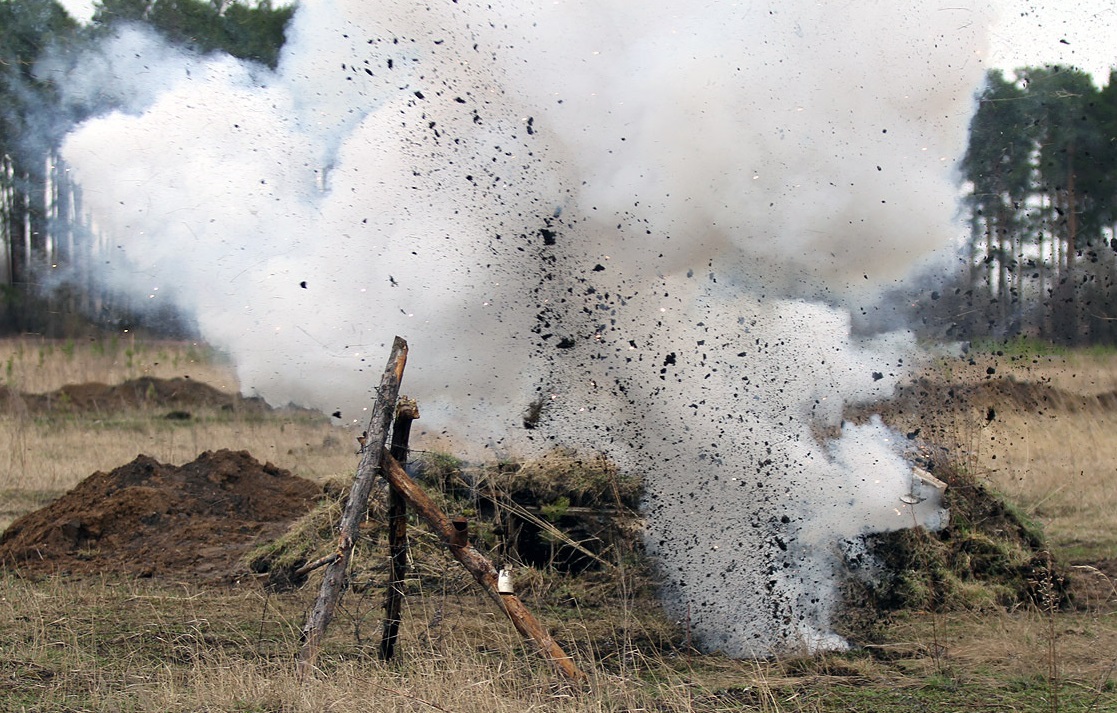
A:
997	166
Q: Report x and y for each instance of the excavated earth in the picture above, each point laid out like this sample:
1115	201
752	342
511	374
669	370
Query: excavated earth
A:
151	519
146	392
910	405
197	521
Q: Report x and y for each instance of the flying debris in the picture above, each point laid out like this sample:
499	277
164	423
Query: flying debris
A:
534	183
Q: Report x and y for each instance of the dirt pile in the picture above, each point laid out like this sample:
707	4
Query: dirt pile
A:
930	396
151	519
146	392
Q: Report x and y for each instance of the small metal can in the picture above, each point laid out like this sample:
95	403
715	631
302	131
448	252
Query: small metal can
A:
504	582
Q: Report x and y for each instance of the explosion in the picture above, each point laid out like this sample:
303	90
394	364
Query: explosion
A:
652	222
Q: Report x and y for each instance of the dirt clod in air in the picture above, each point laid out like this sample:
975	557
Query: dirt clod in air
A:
149	519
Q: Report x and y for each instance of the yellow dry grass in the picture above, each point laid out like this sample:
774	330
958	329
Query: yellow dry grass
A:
41	458
148	646
1059	469
37	365
1015	644
52	456
1080	372
162	646
1058	465
1084	373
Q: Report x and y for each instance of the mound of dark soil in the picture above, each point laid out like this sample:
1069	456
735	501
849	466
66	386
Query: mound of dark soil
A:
151	519
145	392
927	395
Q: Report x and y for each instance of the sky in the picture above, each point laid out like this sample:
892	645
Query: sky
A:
1081	34
1027	33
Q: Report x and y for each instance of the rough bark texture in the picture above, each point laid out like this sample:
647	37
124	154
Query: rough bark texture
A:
334	580
406	412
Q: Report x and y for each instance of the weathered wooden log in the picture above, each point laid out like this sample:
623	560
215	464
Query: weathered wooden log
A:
479	566
320	562
334	580
406	411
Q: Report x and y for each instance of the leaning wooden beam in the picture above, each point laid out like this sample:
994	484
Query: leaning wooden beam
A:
334	580
406	412
320	562
479	566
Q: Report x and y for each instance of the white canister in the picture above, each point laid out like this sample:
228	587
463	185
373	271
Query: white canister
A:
504	582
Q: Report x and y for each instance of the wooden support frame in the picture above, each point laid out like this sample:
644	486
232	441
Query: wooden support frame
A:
334	581
407	411
375	458
479	566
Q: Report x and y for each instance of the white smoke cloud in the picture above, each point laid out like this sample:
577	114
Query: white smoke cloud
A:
626	211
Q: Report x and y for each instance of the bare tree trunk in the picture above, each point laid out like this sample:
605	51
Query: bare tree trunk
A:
1041	298
334	580
1004	253
1078	294
7	235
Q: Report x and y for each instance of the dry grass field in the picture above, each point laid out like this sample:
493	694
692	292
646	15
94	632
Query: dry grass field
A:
118	643
40	458
1057	464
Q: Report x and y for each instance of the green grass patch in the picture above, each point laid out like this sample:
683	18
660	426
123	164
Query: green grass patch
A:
1019	347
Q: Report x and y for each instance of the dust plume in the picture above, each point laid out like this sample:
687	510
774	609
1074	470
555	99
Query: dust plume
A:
651	220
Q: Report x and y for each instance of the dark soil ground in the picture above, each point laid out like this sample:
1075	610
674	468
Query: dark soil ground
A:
1000	392
151	519
178	394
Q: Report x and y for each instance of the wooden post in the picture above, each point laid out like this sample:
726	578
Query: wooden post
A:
406	412
320	562
479	566
333	582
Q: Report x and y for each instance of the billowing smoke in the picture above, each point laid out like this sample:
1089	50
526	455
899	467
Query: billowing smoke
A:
646	223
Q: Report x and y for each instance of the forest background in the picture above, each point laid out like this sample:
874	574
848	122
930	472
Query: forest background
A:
1038	186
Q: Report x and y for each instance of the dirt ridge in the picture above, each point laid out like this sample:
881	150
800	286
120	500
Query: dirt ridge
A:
143	392
149	518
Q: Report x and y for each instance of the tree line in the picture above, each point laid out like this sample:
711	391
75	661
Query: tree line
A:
46	246
1040	173
1039	177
